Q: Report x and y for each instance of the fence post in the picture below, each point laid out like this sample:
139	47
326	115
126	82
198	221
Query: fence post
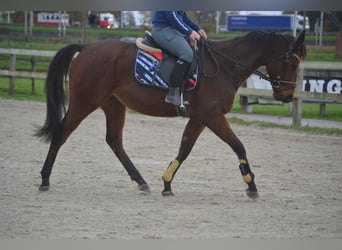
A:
33	66
12	67
297	102
290	109
322	109
243	101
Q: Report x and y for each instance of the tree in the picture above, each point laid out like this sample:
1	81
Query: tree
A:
146	18
128	19
75	17
203	17
329	24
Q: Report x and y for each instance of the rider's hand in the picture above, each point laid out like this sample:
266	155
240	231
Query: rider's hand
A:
195	36
203	34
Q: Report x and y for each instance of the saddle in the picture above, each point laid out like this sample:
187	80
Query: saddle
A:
153	65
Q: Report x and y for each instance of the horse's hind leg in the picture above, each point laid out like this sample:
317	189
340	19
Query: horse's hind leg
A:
49	161
71	120
191	132
115	117
220	126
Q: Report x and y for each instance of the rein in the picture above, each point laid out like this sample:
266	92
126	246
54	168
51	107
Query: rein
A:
275	83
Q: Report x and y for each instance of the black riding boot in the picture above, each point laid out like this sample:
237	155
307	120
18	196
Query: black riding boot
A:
176	79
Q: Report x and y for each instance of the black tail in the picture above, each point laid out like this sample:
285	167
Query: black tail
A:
54	90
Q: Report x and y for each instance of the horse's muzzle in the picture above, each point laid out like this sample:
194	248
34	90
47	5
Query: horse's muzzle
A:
280	97
287	99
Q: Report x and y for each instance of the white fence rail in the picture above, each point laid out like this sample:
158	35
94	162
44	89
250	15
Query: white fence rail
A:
300	96
12	73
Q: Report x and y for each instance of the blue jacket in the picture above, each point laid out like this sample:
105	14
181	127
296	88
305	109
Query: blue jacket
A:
178	20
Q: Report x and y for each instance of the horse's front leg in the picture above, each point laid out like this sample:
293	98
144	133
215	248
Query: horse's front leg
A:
220	126
115	117
191	132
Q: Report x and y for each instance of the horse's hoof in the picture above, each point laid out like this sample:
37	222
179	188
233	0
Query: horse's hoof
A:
144	188
44	188
167	193
252	193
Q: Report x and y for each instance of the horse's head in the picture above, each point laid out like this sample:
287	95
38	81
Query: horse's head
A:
283	71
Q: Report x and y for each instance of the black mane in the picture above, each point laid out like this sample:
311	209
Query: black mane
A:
263	36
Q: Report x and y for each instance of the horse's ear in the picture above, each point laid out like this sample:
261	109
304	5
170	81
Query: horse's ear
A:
300	40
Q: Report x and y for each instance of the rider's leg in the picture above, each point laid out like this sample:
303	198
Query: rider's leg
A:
176	79
174	42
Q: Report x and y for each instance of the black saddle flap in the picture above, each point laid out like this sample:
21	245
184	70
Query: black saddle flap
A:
149	41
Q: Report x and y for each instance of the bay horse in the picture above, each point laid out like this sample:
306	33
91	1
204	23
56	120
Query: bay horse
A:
101	76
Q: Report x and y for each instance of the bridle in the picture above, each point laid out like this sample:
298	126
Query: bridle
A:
277	81
274	82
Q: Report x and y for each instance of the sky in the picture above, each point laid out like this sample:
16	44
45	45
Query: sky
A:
276	13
